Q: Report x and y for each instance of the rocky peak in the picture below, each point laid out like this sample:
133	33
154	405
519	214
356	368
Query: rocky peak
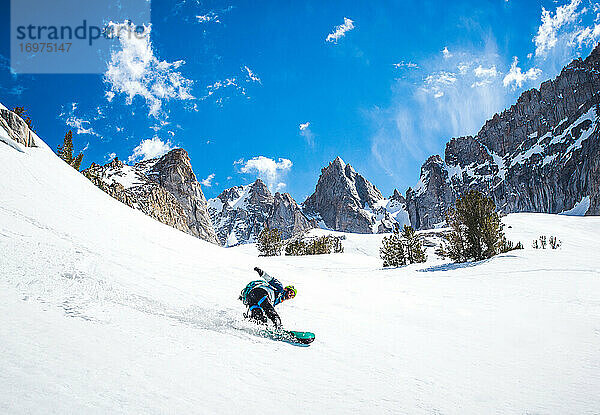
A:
539	155
343	199
164	188
397	196
240	213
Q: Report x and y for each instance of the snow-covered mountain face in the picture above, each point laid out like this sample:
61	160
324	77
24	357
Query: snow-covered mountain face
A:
164	188
540	155
105	310
345	201
240	213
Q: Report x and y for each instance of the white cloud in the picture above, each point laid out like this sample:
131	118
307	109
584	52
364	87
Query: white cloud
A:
340	31
403	64
267	169
423	116
481	72
446	53
110	156
251	77
208	181
306	132
231	82
463	67
77	123
209	17
134	70
547	35
517	77
150	148
437	82
485	75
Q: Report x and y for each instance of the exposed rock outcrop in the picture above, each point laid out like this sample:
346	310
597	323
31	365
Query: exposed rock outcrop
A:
540	155
240	213
345	201
16	128
164	188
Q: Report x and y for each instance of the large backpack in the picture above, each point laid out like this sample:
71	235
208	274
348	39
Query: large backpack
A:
251	285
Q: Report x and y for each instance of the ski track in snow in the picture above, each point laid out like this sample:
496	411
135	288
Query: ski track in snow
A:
104	310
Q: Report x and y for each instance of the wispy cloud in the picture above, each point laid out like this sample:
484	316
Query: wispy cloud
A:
134	70
340	31
150	148
437	82
251	76
439	100
547	34
77	123
306	132
208	181
485	76
235	83
516	77
403	64
270	171
208	17
568	28
446	53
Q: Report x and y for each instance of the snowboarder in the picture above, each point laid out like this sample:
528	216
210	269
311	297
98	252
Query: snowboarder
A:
261	297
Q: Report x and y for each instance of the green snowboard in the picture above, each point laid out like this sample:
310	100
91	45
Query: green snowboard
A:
289	336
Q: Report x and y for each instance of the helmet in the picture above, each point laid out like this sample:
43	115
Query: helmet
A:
290	291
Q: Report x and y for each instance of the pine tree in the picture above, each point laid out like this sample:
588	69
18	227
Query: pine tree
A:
413	246
269	242
476	229
65	152
392	250
295	248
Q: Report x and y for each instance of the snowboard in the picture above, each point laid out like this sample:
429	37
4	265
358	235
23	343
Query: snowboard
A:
289	336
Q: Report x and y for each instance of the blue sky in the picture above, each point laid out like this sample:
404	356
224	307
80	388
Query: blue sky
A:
278	89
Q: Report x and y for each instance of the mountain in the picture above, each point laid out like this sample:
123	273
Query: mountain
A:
240	213
164	188
105	310
345	201
540	155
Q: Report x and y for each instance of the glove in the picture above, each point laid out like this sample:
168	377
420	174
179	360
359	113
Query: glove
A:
260	271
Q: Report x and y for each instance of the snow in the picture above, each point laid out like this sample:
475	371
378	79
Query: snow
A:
126	176
590	115
579	209
5	138
499	161
104	310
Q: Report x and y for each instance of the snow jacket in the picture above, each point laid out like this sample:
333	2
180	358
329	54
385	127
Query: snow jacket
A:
274	288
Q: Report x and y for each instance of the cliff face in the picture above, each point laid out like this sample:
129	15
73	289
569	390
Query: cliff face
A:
164	188
345	201
16	129
540	155
240	213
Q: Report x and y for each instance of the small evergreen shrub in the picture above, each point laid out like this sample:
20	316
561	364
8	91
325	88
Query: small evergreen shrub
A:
269	242
476	229
401	248
543	241
325	244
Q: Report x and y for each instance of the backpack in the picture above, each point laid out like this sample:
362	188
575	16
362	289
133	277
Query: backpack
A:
251	285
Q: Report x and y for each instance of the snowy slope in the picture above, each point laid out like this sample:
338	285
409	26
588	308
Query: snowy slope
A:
104	310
